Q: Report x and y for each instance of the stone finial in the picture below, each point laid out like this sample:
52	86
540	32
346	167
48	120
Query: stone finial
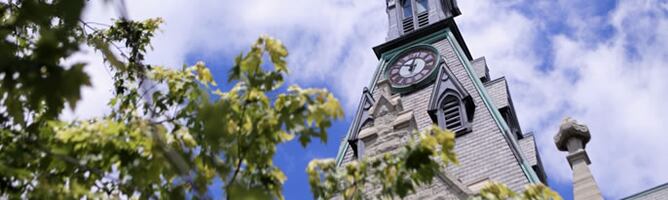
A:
573	137
571	129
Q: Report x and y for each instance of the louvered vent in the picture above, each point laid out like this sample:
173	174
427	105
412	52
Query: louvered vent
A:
423	19
408	25
452	113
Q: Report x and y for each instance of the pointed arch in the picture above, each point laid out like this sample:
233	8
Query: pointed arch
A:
362	118
450	106
451	114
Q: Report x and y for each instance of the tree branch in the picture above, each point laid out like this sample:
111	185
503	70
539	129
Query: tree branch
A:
119	49
239	149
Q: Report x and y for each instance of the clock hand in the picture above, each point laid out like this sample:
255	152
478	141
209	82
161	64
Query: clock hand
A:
411	66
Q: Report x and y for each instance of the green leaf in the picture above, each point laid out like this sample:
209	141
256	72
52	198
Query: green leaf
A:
109	56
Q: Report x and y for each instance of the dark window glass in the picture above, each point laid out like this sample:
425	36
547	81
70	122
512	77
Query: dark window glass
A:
408	9
422	6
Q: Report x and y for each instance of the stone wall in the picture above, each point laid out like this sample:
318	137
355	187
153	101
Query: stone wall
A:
483	154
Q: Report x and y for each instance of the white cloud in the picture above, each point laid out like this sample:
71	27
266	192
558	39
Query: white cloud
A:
616	85
329	42
622	95
94	98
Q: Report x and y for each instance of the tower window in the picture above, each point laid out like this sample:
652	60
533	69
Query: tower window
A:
452	113
407	22
422	13
414	17
422	6
408	9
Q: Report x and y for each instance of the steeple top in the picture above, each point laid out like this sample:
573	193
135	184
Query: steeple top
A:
406	16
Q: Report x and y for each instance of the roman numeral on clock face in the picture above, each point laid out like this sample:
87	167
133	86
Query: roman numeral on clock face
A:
412	66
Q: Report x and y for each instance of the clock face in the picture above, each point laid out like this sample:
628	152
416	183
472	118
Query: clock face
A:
412	66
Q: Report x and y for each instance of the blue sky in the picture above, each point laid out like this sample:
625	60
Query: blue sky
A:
602	62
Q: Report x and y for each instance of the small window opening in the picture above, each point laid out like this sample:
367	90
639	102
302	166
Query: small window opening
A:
452	113
422	6
408	9
407	22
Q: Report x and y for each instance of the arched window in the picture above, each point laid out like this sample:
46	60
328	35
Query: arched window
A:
451	116
407	8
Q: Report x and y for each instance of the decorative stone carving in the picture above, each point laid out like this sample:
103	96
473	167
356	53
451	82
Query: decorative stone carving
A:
391	125
386	105
570	128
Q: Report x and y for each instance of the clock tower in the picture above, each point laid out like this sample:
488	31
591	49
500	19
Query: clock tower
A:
426	75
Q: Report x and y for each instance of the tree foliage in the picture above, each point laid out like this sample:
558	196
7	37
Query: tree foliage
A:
497	191
35	81
171	132
398	173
